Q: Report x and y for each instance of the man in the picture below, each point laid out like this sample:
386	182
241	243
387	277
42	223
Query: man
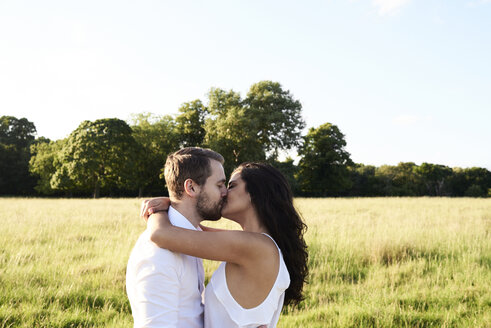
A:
165	288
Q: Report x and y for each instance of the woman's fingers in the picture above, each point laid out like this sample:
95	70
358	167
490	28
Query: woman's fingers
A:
143	208
150	206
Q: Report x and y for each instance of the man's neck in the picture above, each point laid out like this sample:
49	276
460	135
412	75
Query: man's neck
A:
188	211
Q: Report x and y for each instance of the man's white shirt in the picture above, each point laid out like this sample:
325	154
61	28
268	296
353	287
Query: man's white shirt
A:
165	288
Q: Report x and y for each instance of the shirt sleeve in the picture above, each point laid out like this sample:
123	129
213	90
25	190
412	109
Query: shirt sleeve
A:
157	292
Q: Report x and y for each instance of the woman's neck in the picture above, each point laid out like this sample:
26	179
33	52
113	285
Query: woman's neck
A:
249	221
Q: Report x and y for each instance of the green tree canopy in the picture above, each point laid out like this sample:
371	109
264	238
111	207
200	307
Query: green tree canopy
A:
278	116
156	137
16	136
365	183
400	180
230	131
190	123
267	121
434	177
323	167
44	162
476	182
17	132
99	154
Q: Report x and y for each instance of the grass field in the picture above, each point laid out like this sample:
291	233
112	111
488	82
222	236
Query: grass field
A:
375	262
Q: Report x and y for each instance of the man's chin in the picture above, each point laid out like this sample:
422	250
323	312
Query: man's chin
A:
212	218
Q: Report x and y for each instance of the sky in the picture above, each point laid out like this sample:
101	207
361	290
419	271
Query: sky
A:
404	80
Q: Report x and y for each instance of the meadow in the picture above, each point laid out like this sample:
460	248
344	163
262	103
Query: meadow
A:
374	262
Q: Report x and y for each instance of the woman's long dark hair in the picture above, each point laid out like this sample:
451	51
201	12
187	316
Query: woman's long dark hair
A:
272	199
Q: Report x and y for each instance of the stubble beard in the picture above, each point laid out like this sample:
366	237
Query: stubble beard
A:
211	211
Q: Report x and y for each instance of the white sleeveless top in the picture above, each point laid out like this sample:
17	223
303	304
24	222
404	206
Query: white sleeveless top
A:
222	310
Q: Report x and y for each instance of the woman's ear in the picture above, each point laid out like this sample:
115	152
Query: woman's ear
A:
191	188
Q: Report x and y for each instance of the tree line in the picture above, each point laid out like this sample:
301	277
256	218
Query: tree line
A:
112	157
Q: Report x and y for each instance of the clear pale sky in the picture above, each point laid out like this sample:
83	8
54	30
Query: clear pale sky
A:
404	80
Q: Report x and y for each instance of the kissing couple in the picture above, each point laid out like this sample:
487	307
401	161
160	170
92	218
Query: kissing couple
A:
263	267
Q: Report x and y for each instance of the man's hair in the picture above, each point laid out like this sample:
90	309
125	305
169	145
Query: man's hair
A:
188	163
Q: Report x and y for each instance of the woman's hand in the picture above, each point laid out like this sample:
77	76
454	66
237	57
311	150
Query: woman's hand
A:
153	205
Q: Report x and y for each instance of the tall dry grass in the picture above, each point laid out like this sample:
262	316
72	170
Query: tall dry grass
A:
374	262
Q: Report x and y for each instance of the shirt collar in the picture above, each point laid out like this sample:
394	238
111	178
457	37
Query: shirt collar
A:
179	220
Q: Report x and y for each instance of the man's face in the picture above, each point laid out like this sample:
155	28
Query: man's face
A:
212	194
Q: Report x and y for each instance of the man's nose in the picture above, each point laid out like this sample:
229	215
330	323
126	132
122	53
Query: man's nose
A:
224	192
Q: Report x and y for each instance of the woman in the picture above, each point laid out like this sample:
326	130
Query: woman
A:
265	265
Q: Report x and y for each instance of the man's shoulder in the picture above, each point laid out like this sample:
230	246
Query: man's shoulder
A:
145	250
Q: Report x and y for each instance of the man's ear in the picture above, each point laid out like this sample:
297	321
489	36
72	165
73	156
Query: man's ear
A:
191	188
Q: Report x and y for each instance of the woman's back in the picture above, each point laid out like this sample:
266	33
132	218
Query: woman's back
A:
223	310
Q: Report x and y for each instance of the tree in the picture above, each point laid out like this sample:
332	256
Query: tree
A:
156	137
17	132
190	123
99	154
230	130
364	181
256	128
457	182
475	191
290	171
44	162
16	135
478	176
279	122
477	181
9	159
435	178
323	167
406	180
400	180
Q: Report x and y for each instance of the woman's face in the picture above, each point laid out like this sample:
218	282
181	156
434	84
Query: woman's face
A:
238	199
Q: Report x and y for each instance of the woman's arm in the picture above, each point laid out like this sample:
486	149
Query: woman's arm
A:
232	246
205	228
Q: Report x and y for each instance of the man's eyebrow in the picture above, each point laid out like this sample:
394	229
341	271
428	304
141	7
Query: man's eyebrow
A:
222	181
